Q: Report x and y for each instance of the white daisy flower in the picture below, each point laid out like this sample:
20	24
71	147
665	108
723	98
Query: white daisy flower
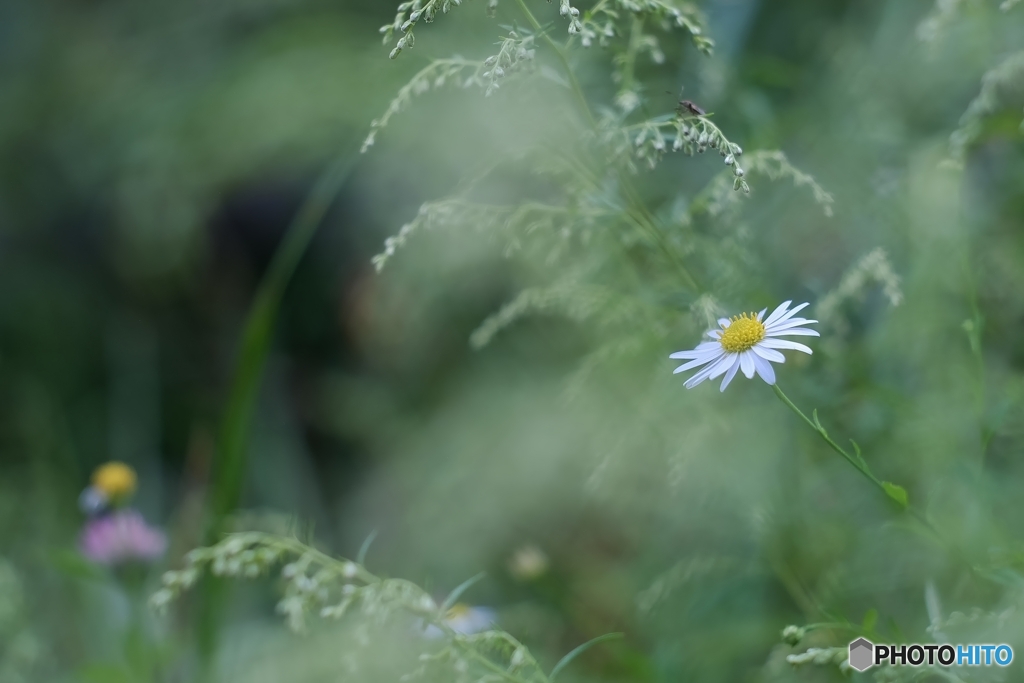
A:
465	620
748	343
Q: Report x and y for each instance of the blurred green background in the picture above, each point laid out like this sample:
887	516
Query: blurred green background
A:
152	157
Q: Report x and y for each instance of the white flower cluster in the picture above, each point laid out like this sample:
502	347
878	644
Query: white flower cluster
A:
997	82
317	584
438	73
791	635
650	140
716	199
567	10
815	656
571	300
464	656
600	22
515	53
508	222
967	624
313	582
239	556
408	15
938	20
590	31
822	656
874	267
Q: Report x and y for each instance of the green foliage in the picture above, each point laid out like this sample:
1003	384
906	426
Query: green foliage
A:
1000	86
316	584
896	492
189	285
21	652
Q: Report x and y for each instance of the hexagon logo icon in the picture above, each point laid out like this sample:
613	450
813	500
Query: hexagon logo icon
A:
862	654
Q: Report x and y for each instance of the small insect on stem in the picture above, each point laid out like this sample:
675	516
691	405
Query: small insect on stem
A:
689	106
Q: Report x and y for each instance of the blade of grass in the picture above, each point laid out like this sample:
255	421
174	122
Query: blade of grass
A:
229	464
566	660
365	548
228	468
454	596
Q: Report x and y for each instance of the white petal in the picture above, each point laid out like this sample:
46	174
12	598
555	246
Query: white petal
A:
697	352
792	322
747	363
703	360
768	354
729	375
790	313
701	375
764	368
796	331
722	362
724	322
714	334
721	367
695	380
777	313
761	314
775	343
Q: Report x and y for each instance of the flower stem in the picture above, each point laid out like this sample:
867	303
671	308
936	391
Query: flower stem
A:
891	491
859	464
821	432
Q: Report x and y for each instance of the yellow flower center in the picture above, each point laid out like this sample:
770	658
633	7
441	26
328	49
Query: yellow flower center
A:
743	332
115	479
459	609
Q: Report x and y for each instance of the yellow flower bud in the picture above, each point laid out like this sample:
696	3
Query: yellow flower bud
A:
115	479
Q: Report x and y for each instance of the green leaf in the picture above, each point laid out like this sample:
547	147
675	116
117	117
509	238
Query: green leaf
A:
227	471
228	467
365	547
870	619
566	660
858	457
897	493
817	422
459	590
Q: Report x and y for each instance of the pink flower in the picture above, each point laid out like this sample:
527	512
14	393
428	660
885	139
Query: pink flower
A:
122	536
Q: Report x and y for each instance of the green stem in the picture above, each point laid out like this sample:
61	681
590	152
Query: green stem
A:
857	463
821	432
563	58
985	432
936	535
629	63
